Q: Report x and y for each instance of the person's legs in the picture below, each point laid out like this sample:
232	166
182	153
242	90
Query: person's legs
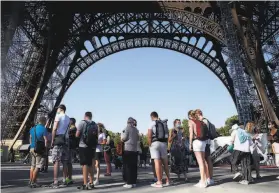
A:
64	157
134	168
33	166
246	168
208	160
107	160
124	169
236	157
56	157
92	169
70	165
153	169
164	157
97	166
199	148
158	170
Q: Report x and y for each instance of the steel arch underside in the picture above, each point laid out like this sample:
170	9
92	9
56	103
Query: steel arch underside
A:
214	63
119	23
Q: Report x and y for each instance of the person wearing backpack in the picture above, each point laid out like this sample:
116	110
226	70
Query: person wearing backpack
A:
158	135
60	144
198	139
87	131
212	135
38	144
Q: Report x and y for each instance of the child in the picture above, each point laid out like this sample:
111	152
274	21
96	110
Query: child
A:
275	148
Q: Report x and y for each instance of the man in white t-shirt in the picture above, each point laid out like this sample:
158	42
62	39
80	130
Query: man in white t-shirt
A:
99	149
159	152
60	144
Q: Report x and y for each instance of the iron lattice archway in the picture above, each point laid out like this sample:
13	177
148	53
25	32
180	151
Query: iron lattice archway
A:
200	49
195	34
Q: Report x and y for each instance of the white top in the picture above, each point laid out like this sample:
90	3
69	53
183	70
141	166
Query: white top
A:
63	124
101	138
152	126
108	140
275	148
244	147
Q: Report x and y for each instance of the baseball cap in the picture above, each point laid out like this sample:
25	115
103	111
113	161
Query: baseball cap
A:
63	107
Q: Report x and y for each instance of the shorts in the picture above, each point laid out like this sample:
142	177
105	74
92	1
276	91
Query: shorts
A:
199	146
98	156
159	150
37	161
61	154
85	156
207	151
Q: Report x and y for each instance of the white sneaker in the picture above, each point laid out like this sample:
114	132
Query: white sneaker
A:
237	175
202	185
210	182
244	182
277	177
128	186
155	185
96	183
198	184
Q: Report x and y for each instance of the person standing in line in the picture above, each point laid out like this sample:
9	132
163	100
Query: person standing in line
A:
197	144
107	154
250	128
158	142
130	137
73	144
99	150
275	149
60	144
209	164
87	131
241	141
37	134
177	150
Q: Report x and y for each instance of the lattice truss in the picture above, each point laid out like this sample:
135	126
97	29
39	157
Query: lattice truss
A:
20	67
105	34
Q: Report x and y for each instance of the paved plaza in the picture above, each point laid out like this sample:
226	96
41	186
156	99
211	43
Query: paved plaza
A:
14	179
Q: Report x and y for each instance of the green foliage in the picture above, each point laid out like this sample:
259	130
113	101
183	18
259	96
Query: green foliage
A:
185	127
144	140
225	131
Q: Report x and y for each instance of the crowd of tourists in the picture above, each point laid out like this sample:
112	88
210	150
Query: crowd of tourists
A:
93	142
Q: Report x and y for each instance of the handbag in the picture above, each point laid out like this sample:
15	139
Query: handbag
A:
60	140
39	145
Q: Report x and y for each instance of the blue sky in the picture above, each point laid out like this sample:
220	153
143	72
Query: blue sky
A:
138	81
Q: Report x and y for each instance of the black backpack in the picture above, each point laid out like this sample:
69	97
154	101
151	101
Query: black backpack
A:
39	145
90	134
162	131
212	133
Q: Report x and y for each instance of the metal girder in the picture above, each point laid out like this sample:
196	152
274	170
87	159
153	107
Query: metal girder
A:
270	25
180	22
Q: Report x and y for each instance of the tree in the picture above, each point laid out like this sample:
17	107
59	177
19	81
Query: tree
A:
144	140
185	127
225	131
